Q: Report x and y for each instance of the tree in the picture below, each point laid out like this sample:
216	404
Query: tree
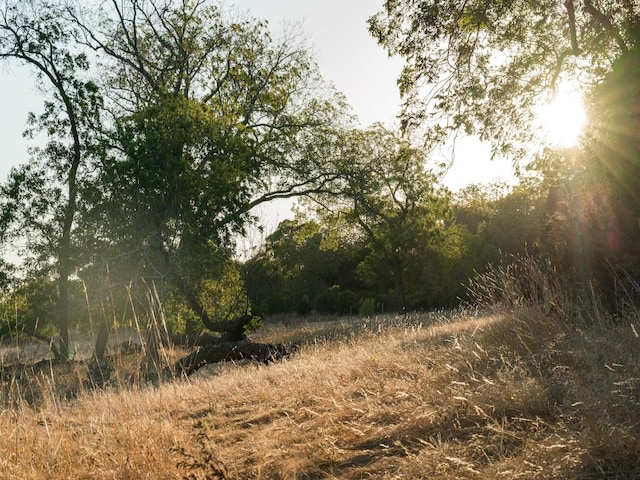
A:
386	195
167	124
40	200
301	268
222	293
612	158
481	65
211	118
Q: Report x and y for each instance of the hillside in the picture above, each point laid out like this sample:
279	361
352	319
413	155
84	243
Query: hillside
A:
480	397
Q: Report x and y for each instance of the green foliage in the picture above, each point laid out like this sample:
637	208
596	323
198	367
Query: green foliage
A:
484	226
194	121
28	308
220	290
224	295
389	203
518	220
304	306
587	197
296	271
200	138
266	284
335	300
255	324
391	234
613	158
479	66
367	307
149	172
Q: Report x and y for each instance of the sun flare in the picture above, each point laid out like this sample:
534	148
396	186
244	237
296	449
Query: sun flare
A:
562	119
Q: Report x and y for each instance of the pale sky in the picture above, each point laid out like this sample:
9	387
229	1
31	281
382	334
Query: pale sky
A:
347	56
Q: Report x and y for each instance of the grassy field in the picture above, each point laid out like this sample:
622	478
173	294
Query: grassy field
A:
506	395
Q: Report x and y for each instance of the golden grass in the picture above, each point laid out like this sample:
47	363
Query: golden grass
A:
516	395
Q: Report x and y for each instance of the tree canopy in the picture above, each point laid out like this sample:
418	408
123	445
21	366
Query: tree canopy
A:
386	194
167	123
481	65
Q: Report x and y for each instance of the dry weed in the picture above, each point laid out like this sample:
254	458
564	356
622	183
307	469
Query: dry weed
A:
503	396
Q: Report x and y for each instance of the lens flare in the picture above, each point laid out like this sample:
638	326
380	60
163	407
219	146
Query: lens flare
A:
562	119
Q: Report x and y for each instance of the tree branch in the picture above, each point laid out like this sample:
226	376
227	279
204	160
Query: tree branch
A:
568	4
606	24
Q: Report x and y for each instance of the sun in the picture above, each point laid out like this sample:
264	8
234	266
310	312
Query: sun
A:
562	119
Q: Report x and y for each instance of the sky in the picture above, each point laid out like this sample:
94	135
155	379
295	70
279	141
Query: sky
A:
347	56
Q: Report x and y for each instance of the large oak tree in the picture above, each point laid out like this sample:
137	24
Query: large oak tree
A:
191	118
212	117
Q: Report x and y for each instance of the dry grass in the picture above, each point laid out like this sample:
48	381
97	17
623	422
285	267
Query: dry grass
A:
517	395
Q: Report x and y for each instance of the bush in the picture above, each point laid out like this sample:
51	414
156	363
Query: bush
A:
327	301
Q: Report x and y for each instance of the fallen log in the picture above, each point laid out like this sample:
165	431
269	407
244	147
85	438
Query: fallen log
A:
229	351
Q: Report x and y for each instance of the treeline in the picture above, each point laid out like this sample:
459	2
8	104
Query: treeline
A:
317	263
575	222
166	123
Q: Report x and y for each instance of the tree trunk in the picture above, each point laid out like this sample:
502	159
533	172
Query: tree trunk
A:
193	302
63	309
230	331
231	351
101	341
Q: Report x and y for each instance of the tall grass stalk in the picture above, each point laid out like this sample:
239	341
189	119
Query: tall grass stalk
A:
517	393
534	283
